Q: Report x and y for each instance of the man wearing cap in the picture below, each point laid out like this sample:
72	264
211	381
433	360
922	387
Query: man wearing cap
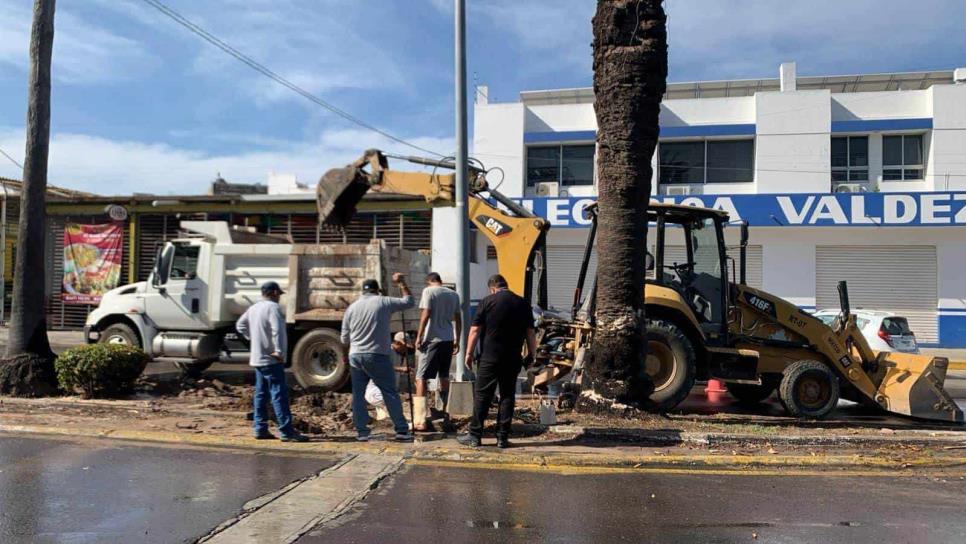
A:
365	330
264	326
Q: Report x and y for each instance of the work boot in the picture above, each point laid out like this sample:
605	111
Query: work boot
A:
295	437
469	440
264	436
502	442
404	437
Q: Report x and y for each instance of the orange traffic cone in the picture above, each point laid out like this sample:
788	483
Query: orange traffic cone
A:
715	390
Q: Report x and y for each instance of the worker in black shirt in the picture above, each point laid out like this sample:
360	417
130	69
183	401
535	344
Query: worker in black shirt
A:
503	322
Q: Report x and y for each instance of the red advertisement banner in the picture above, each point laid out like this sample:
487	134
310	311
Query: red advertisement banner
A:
92	261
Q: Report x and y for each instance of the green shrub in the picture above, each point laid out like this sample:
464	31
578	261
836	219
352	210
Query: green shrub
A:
100	370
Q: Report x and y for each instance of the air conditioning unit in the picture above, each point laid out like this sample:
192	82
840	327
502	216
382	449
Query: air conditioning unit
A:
849	188
547	189
677	190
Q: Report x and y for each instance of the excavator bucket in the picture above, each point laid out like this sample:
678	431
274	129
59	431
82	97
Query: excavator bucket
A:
338	193
912	385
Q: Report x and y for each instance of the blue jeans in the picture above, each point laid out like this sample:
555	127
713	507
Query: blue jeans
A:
378	368
270	381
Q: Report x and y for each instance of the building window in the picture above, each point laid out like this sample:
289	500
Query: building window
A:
707	161
850	158
902	157
567	165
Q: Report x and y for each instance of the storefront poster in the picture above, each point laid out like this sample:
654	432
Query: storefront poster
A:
92	261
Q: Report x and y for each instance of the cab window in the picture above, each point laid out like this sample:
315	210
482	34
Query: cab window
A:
184	264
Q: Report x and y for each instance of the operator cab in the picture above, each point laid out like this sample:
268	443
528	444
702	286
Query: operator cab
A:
689	255
700	274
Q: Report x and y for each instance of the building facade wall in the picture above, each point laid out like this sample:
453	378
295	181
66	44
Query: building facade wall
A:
792	134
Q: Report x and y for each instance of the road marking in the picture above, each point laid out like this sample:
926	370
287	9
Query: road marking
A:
295	511
953	471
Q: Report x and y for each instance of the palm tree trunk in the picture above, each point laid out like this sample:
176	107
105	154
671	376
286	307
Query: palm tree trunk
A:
28	369
630	76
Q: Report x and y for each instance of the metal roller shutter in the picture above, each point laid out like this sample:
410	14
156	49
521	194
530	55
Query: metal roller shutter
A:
754	277
410	230
899	279
563	266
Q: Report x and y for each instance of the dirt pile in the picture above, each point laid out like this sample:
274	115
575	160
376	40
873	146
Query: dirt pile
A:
322	413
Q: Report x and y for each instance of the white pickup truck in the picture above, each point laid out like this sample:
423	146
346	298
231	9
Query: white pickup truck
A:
202	283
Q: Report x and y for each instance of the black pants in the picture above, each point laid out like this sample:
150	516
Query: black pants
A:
489	376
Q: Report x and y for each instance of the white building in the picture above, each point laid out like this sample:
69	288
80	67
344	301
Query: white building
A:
861	178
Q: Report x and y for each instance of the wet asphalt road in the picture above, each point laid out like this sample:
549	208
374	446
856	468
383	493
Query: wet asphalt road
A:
430	504
109	491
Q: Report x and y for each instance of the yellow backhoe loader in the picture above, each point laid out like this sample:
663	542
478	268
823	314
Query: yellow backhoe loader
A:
702	322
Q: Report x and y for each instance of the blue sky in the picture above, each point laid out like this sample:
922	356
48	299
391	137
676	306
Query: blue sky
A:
142	105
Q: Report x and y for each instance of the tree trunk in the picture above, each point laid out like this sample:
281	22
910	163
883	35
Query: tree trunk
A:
28	369
630	76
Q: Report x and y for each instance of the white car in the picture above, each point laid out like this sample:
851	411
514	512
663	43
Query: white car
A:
884	331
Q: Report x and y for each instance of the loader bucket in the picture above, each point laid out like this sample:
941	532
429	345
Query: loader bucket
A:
912	385
338	193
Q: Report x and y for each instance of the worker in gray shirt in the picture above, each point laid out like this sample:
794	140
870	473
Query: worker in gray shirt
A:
437	339
264	326
365	330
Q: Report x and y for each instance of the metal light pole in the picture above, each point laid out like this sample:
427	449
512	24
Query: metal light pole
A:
462	239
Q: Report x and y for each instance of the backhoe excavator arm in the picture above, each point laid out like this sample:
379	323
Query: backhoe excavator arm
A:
518	235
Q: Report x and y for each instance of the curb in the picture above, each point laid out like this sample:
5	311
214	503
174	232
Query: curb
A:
558	461
643	437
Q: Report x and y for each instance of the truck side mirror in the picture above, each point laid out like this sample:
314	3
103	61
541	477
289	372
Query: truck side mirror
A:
648	261
162	264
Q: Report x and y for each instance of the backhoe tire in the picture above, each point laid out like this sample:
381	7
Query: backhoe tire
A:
120	333
750	394
671	363
319	361
809	390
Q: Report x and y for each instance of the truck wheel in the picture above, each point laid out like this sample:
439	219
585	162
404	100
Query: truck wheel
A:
809	390
120	333
746	393
191	369
670	363
318	361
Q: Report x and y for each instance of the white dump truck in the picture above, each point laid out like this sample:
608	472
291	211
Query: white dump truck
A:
202	283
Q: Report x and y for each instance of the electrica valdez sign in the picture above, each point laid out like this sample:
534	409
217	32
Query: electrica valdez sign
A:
793	210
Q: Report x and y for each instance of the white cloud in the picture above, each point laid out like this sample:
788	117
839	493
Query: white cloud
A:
83	52
321	46
110	167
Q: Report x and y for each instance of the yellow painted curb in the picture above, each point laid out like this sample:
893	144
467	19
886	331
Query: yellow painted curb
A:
697	471
534	460
957	365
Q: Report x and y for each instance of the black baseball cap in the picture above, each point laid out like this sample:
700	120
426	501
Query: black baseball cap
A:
271	286
370	286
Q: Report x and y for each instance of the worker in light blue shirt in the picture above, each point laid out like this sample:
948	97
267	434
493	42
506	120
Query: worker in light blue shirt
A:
264	326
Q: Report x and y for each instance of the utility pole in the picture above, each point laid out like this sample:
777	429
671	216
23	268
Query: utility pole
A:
462	187
28	326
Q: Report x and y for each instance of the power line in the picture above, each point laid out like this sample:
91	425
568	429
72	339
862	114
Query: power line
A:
262	69
11	159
